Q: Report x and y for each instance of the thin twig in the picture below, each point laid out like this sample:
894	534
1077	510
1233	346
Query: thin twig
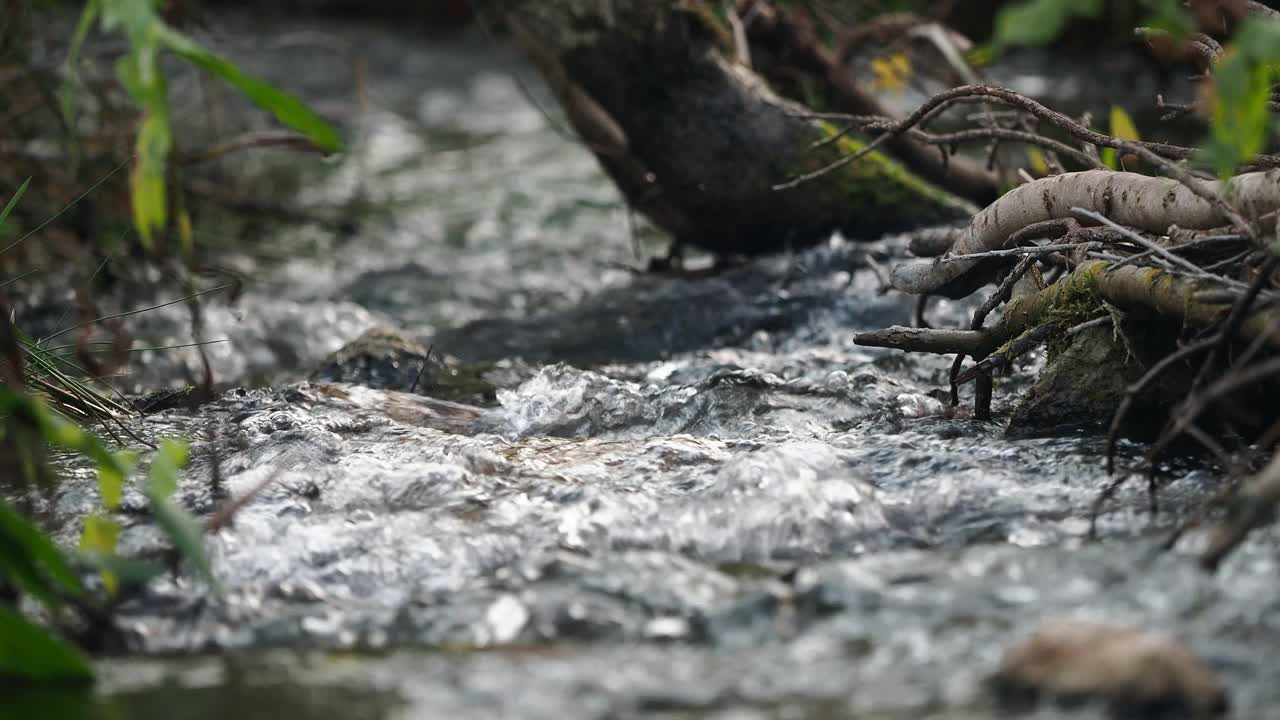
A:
1131	392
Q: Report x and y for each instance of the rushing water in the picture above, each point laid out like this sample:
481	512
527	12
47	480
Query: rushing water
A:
685	498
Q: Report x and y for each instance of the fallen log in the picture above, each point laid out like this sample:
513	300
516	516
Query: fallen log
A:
1143	202
1129	287
698	142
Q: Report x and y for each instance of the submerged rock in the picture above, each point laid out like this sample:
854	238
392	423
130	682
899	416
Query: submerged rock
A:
380	358
1139	674
385	359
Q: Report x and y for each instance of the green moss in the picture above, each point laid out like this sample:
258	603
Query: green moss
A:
1072	300
465	383
882	188
710	17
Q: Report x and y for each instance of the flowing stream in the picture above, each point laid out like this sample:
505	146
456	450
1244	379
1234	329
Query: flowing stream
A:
675	497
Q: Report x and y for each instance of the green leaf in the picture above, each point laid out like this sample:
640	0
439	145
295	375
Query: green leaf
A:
112	476
13	201
61	432
1242	86
183	530
99	537
126	571
1169	17
131	15
147	179
1038	22
32	562
286	108
1037	161
30	652
87	16
140	74
163	476
187	536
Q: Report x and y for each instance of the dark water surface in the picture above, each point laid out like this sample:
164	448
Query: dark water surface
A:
735	512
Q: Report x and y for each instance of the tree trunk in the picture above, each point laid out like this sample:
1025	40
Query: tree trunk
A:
699	143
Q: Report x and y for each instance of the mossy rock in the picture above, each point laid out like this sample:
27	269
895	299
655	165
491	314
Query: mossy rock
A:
1087	375
466	383
384	358
380	358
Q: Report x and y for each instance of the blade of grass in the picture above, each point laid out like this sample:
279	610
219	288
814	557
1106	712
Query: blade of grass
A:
68	206
127	313
13	201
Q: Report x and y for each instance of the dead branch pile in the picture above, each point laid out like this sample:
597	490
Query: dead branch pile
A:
1078	256
1076	250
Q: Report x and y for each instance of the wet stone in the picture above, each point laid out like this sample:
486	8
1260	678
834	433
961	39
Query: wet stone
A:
380	358
384	358
1137	673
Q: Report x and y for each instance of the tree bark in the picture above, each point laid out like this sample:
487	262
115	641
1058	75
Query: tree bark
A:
1146	203
699	143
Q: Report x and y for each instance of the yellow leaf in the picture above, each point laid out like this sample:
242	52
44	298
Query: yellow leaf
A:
1122	125
892	71
1122	128
185	232
147	179
1038	162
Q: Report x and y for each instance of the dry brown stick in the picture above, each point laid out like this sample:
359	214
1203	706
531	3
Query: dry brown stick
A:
866	123
1188	245
931	242
1164	292
285	139
1107	492
1131	392
226	514
1197	403
940	341
1212	445
1035	251
1222	340
1087	325
796	44
1253	505
1144	242
1199	189
1158	153
1229	262
1225	490
1017	347
999	297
